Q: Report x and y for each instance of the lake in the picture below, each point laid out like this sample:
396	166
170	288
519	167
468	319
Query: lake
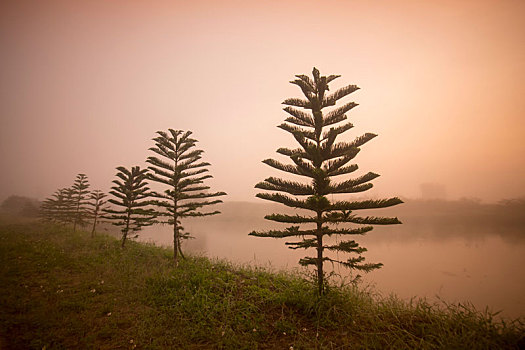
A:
434	253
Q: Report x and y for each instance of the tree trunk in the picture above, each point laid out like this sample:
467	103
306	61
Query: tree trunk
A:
124	235
318	116
176	244
320	274
94	224
95	218
76	216
180	250
175	239
126	229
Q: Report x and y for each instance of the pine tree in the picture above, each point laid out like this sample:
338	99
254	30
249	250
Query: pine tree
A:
180	169
80	193
51	206
131	196
68	208
321	159
59	208
97	202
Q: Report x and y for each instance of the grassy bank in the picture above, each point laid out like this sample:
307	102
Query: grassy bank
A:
64	290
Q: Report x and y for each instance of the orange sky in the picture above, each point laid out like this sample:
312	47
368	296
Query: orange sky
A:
85	86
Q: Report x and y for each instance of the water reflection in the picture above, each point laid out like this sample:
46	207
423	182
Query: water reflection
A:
434	255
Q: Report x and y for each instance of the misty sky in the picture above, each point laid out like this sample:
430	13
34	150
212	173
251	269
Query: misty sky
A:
86	84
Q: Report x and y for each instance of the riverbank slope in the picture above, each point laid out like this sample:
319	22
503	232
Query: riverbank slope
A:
63	289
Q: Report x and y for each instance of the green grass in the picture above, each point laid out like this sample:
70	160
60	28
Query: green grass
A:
64	290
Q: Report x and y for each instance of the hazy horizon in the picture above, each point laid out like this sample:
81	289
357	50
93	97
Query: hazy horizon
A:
86	85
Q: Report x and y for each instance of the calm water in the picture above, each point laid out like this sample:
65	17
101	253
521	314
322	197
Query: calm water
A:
455	262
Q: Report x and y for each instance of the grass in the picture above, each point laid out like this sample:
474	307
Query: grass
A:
63	290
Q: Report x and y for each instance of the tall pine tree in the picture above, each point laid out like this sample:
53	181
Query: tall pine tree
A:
131	196
320	158
80	195
179	168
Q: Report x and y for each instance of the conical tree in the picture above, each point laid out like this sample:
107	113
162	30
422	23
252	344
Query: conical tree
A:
131	196
321	159
80	194
97	203
51	207
68	209
179	168
59	207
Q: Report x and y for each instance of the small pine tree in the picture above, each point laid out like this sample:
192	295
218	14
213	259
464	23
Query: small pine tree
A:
68	210
180	169
59	208
50	207
97	203
130	198
80	195
321	159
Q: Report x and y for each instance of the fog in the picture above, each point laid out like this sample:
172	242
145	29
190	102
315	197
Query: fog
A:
85	86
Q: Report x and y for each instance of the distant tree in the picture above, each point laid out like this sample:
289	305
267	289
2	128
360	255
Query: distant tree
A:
20	205
59	207
131	196
179	168
80	195
97	203
320	159
48	208
69	207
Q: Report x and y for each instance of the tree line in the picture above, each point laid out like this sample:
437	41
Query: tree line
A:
177	166
314	121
